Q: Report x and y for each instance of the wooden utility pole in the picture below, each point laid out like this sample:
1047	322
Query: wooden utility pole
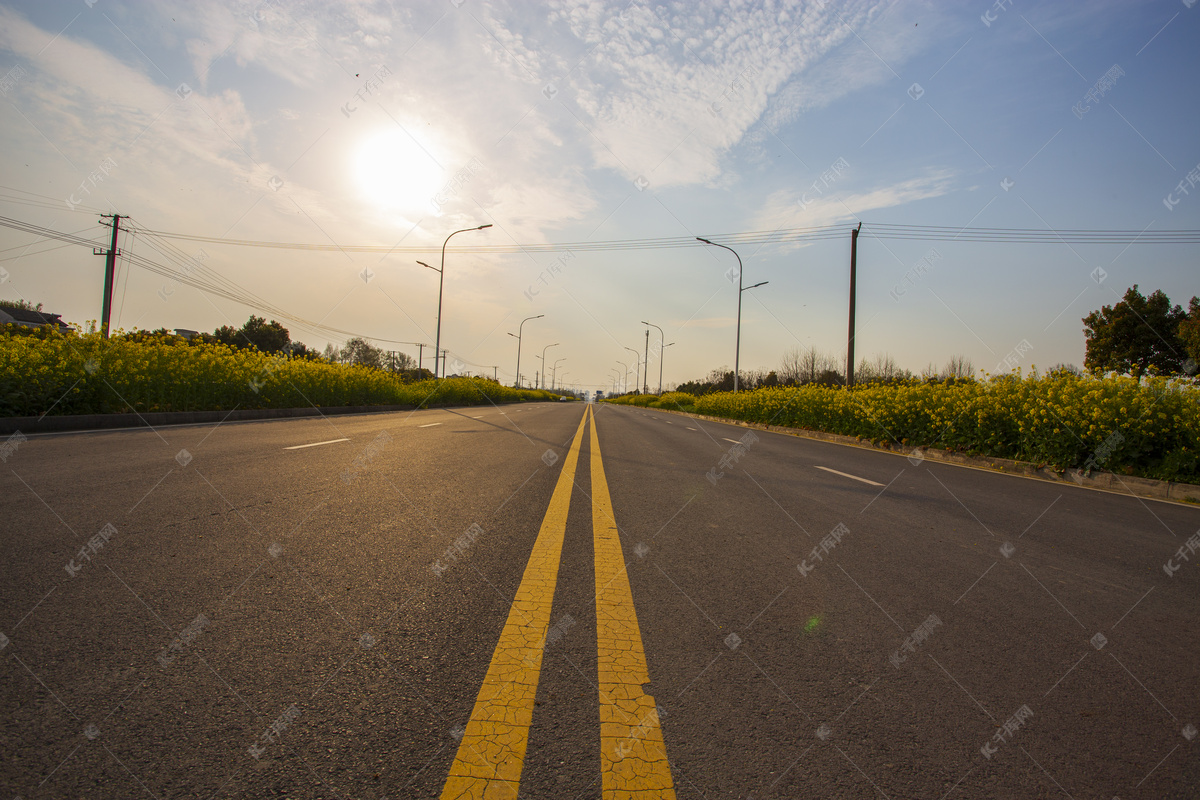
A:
853	291
110	268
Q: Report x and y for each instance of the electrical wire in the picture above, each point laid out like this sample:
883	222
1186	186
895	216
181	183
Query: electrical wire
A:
192	270
35	252
782	236
47	233
42	201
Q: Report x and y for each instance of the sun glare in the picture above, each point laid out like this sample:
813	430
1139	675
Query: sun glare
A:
396	173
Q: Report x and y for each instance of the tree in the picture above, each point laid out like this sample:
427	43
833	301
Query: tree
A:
958	367
721	380
791	366
1059	370
806	365
360	351
1135	335
23	305
1189	336
882	368
269	337
399	362
301	350
227	334
162	334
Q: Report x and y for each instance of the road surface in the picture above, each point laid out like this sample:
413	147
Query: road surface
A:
540	599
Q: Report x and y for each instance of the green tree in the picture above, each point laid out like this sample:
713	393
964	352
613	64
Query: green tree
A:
269	337
227	334
1189	336
301	350
1134	335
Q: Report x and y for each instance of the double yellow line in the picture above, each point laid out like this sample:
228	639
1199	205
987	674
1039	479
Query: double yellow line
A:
633	758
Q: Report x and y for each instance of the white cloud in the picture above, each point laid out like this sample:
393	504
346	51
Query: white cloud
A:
666	92
795	208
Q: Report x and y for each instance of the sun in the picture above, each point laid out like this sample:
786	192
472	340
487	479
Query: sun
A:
396	173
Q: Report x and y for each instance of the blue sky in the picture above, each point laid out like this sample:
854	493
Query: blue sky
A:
387	124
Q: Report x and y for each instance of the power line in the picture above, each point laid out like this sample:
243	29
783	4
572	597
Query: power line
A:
47	233
207	280
9	194
782	236
193	272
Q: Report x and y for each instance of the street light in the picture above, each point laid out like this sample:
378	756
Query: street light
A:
737	348
661	347
554	372
544	349
625	383
437	345
664	347
517	336
637	367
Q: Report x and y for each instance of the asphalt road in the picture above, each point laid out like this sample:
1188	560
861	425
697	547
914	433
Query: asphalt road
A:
323	608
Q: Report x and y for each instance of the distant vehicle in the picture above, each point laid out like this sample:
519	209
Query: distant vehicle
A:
562	398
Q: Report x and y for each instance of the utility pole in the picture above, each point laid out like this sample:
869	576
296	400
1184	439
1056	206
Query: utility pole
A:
853	291
110	267
420	358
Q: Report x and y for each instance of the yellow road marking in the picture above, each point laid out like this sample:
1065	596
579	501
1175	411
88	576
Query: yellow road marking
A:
492	751
633	757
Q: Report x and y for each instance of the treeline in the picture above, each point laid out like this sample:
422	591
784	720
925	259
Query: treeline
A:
808	366
1137	336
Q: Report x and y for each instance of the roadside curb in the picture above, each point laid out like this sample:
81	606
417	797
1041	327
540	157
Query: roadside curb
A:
1182	493
83	422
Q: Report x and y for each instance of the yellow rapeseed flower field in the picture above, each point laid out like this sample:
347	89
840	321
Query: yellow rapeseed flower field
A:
1149	427
85	374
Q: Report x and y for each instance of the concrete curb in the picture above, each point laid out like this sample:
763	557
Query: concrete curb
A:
1183	493
83	422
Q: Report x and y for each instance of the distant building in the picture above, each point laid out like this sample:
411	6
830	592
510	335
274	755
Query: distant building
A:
31	319
185	333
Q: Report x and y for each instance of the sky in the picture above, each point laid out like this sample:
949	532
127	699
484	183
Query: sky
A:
391	125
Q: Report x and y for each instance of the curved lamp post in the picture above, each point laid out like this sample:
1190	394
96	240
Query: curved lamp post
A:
637	368
544	349
737	348
437	345
517	336
625	383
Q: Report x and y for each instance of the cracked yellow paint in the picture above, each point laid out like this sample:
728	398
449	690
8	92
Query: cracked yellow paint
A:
492	751
633	757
